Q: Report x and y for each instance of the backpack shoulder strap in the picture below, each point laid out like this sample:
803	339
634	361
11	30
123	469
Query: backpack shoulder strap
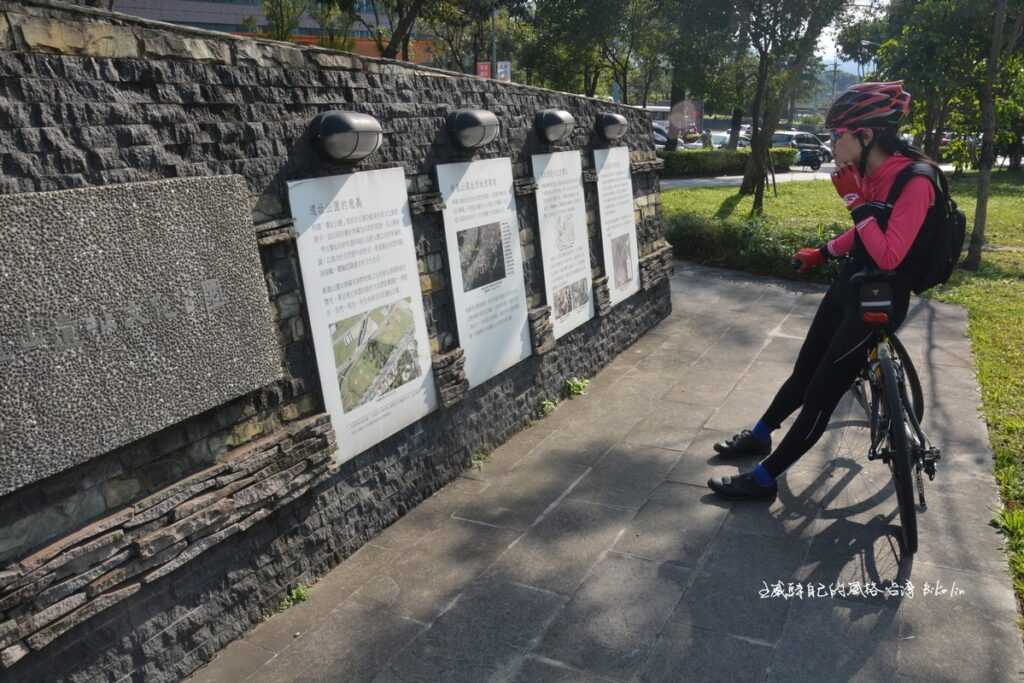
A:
915	169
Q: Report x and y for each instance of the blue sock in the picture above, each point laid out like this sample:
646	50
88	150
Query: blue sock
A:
763	477
761	431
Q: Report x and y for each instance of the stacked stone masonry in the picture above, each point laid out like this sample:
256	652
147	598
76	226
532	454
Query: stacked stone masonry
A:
72	580
151	558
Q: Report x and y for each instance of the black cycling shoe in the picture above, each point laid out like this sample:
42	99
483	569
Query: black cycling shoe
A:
742	487
744	444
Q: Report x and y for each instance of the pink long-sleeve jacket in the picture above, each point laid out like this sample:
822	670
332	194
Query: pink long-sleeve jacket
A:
888	248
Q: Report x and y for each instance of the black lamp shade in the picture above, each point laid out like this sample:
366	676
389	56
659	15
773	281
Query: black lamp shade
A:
346	135
472	128
554	124
612	126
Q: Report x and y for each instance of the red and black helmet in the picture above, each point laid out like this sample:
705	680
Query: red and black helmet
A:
869	105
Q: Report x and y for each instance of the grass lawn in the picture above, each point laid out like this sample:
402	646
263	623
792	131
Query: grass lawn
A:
711	225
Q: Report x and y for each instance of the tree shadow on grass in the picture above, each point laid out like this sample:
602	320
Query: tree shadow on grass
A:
728	206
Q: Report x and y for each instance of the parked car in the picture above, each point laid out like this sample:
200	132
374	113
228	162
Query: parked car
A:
720	139
801	140
661	139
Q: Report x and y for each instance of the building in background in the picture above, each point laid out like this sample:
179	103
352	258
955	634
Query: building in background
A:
229	16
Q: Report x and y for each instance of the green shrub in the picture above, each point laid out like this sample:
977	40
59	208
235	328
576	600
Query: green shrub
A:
715	162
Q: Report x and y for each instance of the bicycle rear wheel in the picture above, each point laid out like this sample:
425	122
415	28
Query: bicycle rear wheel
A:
899	452
910	373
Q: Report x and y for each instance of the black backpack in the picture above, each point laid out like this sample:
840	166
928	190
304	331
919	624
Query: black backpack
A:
936	251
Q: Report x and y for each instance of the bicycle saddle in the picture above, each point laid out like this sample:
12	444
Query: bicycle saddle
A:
872	274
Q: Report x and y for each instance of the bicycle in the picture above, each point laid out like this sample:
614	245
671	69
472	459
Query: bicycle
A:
894	414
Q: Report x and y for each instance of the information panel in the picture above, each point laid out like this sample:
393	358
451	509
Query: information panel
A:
482	233
565	247
618	226
361	281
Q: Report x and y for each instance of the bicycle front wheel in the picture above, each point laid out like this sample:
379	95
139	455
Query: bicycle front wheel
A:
899	452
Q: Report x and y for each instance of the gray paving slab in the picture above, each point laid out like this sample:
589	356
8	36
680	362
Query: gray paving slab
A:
505	457
675	525
280	632
684	652
557	553
421	582
516	499
615	616
498	620
672	428
436	511
861	642
535	669
352	644
724	594
626	476
589	549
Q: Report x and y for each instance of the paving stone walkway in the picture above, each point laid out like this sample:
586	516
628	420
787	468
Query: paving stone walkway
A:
588	548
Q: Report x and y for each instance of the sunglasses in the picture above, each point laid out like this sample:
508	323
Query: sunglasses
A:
835	135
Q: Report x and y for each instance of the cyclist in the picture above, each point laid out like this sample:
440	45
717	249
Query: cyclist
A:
869	154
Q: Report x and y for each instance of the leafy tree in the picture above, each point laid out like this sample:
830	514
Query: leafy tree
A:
935	51
631	33
706	34
335	19
784	33
283	17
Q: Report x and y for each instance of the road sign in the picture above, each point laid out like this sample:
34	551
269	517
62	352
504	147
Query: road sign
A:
483	69
504	71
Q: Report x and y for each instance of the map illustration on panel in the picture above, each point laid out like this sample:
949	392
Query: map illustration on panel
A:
481	256
375	352
622	262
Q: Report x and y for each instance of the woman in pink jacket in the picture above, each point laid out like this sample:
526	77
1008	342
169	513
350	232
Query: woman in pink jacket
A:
869	155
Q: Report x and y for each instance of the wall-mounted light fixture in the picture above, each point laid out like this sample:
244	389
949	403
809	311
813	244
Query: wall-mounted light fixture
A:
472	128
612	126
554	124
346	135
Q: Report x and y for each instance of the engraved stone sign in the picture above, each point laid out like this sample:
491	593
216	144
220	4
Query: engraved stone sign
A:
126	309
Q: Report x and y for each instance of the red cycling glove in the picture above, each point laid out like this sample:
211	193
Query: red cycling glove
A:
848	184
810	257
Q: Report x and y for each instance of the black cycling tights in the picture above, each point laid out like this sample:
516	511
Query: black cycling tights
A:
830	359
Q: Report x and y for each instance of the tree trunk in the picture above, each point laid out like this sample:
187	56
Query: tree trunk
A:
676	98
648	80
988	122
754	173
595	75
772	116
734	128
402	29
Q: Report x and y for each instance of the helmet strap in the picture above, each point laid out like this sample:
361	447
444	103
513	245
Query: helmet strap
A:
865	150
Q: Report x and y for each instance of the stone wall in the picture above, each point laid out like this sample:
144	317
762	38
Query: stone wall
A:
90	98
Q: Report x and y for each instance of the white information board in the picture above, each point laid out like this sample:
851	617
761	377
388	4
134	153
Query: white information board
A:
564	243
482	234
361	283
618	225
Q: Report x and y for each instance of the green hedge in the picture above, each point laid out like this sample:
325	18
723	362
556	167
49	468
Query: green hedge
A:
716	162
758	245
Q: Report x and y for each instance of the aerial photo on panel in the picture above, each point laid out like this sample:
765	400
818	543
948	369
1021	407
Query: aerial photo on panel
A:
622	263
375	352
481	256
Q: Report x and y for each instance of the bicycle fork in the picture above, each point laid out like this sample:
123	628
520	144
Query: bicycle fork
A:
923	454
